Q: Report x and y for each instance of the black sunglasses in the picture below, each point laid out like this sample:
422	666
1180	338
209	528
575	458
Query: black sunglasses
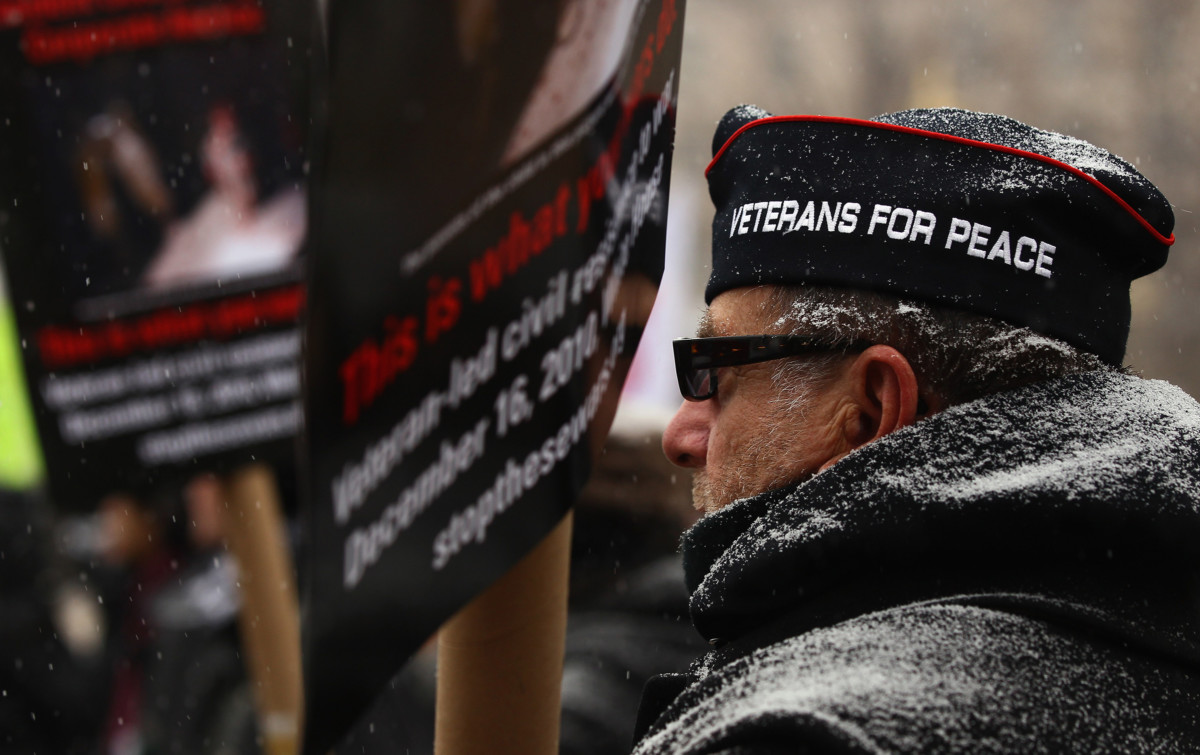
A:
697	359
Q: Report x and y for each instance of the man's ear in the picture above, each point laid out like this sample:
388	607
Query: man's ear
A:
884	387
883	397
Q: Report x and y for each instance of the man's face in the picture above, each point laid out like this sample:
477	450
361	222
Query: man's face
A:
751	437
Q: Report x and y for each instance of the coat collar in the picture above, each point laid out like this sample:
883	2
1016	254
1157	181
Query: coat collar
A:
1094	472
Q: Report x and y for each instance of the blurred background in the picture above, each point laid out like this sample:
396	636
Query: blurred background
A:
1123	75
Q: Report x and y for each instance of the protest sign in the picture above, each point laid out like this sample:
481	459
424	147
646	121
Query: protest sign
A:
487	237
152	161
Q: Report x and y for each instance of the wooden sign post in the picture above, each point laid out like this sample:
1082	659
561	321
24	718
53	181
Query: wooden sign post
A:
500	659
269	619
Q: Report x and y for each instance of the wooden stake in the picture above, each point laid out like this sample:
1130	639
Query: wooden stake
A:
270	619
500	659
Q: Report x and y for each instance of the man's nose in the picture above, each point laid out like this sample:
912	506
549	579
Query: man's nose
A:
685	441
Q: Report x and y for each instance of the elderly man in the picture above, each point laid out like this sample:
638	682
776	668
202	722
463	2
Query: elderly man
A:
941	516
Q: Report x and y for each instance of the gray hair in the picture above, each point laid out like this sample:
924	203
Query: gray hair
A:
957	356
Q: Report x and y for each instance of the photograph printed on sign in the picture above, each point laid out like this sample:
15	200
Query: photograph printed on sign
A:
158	158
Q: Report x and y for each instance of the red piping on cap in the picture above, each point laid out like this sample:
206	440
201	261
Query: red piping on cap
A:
1167	240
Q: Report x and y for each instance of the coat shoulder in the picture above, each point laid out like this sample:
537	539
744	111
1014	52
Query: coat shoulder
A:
937	678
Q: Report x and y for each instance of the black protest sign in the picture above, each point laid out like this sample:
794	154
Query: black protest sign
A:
151	177
487	239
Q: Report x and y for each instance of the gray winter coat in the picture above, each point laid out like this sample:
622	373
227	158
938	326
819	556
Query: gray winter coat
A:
1017	574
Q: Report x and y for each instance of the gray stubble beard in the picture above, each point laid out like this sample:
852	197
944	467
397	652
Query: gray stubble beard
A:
791	402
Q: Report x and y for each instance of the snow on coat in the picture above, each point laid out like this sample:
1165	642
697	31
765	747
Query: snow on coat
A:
1015	574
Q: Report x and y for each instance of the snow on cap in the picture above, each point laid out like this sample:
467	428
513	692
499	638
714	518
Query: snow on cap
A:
967	210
